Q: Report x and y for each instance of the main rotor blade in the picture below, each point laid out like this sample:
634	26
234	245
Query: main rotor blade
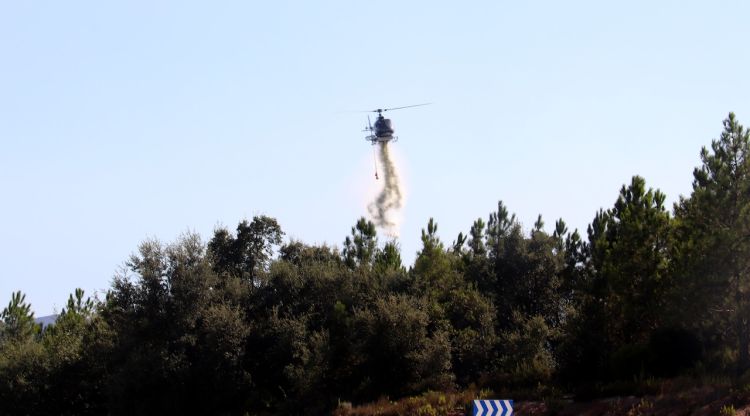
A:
380	110
407	106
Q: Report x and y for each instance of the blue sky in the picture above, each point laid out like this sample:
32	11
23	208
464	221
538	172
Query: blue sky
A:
121	121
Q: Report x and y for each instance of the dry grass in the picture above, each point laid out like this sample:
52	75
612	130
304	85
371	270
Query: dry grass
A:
680	396
428	404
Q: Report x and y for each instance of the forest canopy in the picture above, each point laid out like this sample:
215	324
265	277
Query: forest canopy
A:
250	323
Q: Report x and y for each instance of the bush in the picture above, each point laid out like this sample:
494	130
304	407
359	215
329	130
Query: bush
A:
672	351
529	359
630	361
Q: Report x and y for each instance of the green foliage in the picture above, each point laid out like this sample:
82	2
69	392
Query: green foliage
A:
179	340
359	249
56	372
17	320
673	351
23	373
624	284
473	338
402	356
247	254
435	272
634	265
528	356
248	324
712	261
388	258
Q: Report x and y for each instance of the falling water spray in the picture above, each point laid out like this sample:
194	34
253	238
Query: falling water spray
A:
385	209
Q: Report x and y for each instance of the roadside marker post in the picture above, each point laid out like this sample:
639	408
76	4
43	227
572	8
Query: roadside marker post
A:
493	407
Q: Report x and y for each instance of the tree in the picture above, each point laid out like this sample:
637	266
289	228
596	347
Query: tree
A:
17	320
472	334
388	258
399	353
476	264
633	262
360	248
248	254
76	361
434	271
23	362
714	235
180	344
621	285
526	270
573	276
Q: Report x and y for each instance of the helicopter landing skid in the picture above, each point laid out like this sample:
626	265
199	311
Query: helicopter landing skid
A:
375	140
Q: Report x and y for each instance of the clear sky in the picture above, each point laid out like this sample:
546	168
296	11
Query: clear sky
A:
121	121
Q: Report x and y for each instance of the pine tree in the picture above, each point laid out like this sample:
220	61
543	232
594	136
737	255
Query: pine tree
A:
634	264
360	248
714	236
17	319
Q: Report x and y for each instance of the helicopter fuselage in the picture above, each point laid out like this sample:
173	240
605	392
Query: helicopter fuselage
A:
383	127
382	131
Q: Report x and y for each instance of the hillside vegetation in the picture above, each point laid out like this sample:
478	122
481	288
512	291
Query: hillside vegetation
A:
250	323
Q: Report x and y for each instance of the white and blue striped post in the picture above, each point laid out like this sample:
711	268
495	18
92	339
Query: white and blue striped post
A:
493	407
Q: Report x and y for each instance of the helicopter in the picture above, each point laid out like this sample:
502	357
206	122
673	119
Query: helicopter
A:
382	131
